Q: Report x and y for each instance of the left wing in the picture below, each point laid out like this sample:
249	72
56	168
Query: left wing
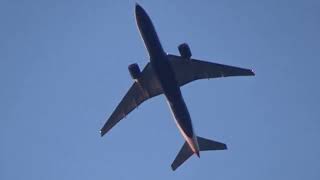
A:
147	87
187	70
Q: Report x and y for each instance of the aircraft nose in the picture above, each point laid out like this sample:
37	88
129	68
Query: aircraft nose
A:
139	11
137	5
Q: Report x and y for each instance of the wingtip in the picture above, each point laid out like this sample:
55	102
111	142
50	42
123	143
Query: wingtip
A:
101	133
173	168
253	73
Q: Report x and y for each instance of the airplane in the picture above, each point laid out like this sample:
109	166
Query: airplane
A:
165	74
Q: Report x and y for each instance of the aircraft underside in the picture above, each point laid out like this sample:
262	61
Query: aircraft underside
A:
165	74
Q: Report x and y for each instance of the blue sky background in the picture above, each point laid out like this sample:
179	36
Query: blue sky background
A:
63	69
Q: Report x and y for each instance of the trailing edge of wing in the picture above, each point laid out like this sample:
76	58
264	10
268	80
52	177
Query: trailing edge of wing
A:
147	87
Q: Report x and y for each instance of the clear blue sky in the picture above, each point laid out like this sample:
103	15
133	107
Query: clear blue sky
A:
63	69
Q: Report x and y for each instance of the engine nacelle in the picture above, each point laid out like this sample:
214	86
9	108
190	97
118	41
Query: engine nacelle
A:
185	51
134	71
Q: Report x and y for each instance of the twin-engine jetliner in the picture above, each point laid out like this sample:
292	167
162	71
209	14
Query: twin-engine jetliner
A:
165	74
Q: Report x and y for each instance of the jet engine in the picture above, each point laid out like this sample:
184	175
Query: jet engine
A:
134	71
185	51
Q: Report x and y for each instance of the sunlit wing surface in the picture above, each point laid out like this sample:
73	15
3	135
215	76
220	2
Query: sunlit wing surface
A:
187	70
147	87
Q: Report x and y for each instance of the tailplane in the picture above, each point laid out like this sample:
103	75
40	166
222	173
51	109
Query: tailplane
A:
182	156
204	145
207	144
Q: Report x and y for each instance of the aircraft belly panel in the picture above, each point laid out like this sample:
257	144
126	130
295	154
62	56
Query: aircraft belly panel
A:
182	116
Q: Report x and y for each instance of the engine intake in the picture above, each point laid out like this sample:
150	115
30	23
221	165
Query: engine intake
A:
185	51
134	71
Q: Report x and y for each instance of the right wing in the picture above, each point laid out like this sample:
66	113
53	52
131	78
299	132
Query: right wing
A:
187	70
147	87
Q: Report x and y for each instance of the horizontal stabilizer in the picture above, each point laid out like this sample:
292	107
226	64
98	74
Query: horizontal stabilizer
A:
207	144
182	156
204	145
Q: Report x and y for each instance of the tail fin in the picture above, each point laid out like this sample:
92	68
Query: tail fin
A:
186	152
